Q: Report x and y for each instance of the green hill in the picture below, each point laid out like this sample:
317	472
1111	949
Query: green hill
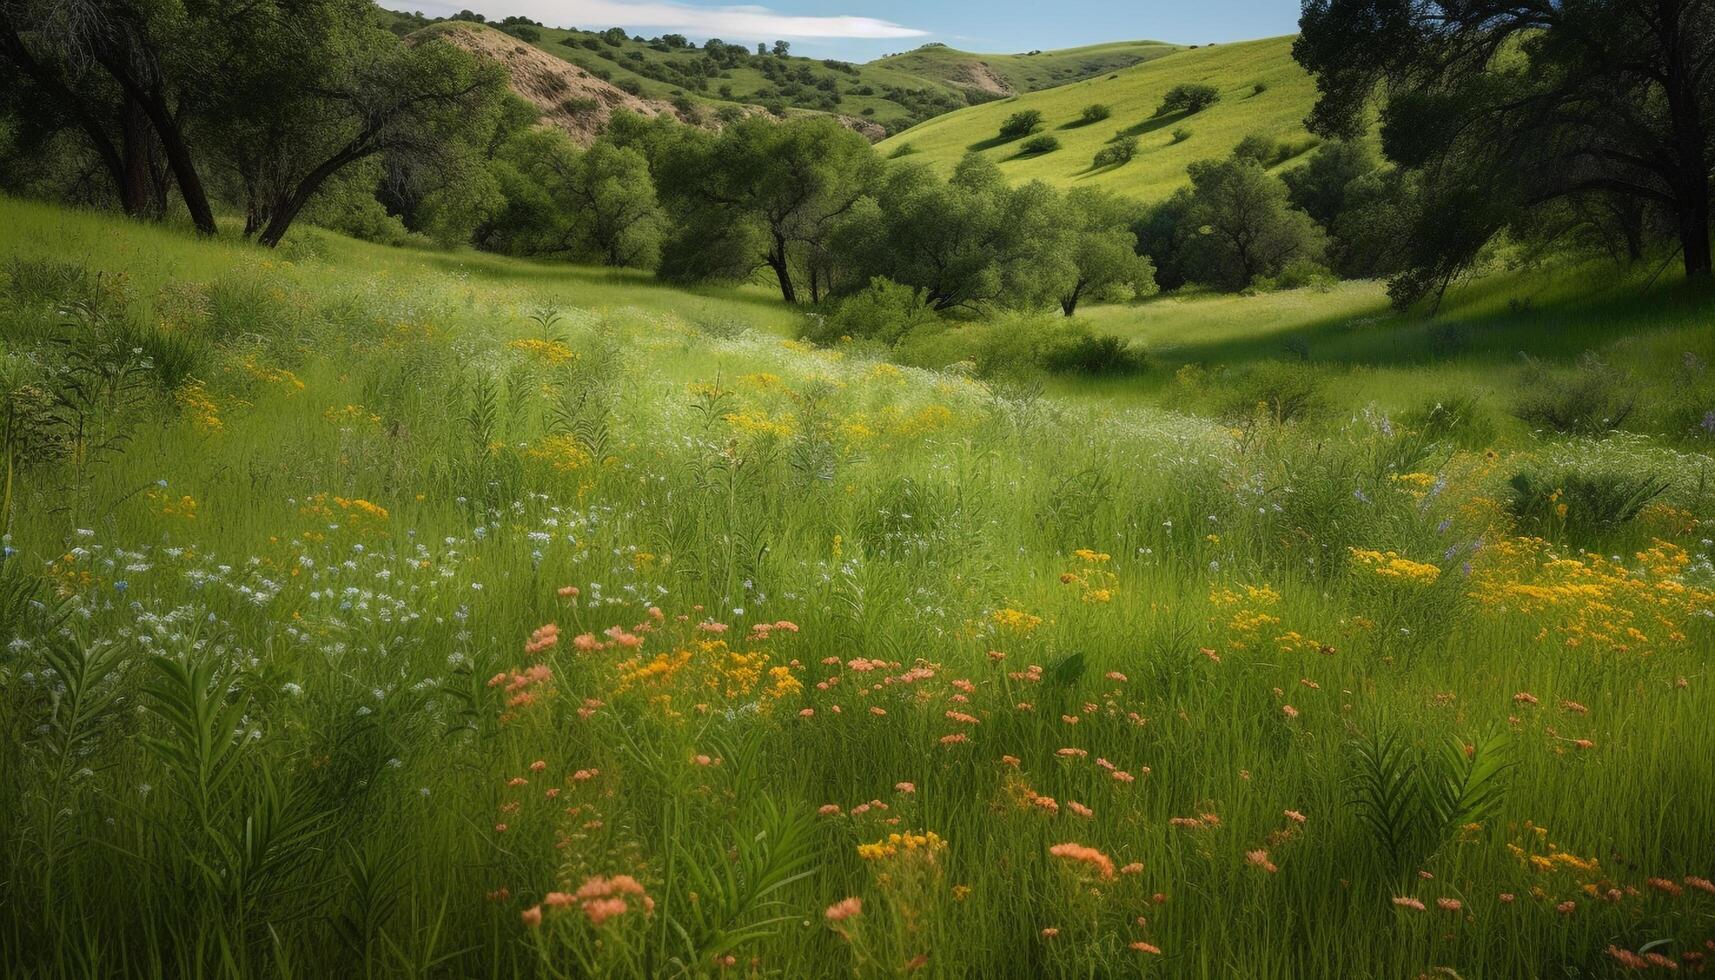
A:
1008	74
1263	91
892	93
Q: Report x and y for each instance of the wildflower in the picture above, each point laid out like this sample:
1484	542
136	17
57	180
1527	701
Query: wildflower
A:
905	787
1259	858
1134	868
1567	907
538	765
1701	884
1507	898
1050	932
1294	816
1407	902
1144	947
1449	904
1289	711
1665	887
1524	697
844	909
828	809
532	916
1080	809
1099	862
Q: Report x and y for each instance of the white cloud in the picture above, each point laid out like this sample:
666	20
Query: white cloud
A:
734	23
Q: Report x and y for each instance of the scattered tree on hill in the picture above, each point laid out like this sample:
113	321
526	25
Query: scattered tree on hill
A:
1046	143
1094	113
1021	124
1243	227
1117	153
1318	188
1511	106
1188	99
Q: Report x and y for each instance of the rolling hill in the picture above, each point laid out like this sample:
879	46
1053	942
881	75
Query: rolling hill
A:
877	98
1263	91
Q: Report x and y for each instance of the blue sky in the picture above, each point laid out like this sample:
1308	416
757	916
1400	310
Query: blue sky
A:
859	30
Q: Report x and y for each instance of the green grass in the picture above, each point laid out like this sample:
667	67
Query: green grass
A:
1025	72
280	697
1134	94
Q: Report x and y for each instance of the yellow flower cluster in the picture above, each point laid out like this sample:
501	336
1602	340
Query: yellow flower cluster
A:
703	669
757	422
184	506
1592	601
351	415
563	453
1016	620
548	351
1095	584
1390	564
928	845
273	376
194	399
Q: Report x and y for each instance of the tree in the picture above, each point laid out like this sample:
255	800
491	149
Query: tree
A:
1318	188
312	97
1162	234
1117	153
765	194
1021	124
1529	103
782	48
1244	228
618	219
1094	113
968	243
1104	248
1188	99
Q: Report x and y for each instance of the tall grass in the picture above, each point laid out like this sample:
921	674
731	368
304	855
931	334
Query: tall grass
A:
418	629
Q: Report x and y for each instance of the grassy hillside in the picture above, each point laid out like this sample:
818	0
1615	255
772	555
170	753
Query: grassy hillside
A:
461	616
1026	72
1237	70
892	93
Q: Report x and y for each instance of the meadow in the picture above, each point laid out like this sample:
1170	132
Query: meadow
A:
393	612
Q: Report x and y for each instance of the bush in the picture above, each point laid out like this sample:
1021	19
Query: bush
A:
1285	392
630	86
884	311
1021	124
1188	99
1116	154
1592	399
1040	144
1078	351
1094	113
1181	134
1298	274
1579	504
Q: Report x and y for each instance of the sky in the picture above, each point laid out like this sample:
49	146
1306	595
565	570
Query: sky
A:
858	30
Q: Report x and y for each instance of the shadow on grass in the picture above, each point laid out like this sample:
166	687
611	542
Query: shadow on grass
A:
992	142
1152	124
1488	322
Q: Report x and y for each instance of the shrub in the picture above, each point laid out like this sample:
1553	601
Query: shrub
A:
630	86
902	150
1298	274
1581	504
1285	392
1020	124
1257	147
1181	134
1188	99
1591	399
884	311
1116	154
1094	113
1040	144
1078	351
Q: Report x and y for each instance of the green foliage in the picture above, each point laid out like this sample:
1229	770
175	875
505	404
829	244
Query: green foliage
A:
884	310
1045	143
1021	124
1188	99
1584	505
1245	227
1590	399
1411	802
1117	153
1094	113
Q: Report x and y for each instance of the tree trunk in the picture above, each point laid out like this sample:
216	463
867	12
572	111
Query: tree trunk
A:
1694	233
782	272
1069	302
136	193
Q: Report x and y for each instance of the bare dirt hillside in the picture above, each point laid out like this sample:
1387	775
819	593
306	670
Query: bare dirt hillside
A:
568	97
